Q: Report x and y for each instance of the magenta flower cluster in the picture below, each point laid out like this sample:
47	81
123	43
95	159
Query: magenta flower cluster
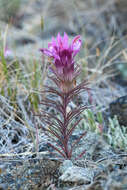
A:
62	54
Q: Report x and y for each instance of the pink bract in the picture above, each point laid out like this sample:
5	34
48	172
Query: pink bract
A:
62	54
7	52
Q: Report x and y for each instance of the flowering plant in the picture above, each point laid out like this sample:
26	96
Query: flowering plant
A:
62	54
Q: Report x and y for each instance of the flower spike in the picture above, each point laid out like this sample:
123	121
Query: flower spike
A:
63	55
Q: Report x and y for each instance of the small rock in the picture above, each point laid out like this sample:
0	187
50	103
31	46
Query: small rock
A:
66	164
77	175
119	108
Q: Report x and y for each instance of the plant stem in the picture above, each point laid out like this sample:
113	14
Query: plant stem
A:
65	136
